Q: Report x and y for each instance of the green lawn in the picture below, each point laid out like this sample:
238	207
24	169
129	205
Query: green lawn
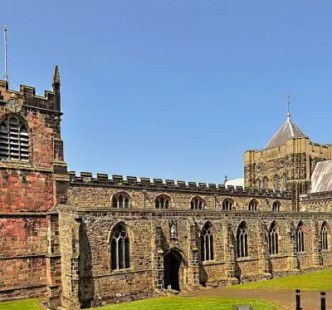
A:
188	303
26	304
163	303
311	281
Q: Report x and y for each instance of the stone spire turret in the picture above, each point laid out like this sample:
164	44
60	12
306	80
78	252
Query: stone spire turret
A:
56	87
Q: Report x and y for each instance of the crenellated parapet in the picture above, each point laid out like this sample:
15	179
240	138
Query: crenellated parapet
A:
27	97
102	179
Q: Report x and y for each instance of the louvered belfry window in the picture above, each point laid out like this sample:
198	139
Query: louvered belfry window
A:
14	139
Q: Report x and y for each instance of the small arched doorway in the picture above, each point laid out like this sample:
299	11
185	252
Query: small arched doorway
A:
172	263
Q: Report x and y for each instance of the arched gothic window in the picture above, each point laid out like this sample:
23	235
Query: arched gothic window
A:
265	183
300	237
14	139
206	243
284	182
276	206
276	182
162	202
323	236
121	200
227	204
258	183
253	205
120	247
242	240
273	239
197	203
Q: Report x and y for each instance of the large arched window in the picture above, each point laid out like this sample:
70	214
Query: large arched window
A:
276	206
273	239
265	183
300	237
162	202
242	240
207	243
14	139
227	204
197	203
120	247
121	200
253	205
324	237
276	182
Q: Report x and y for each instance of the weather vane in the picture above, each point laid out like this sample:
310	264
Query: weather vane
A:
288	105
5	42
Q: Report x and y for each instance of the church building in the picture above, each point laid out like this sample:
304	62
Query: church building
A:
84	240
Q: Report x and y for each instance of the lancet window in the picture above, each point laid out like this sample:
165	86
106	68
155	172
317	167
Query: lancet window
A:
207	243
273	239
242	240
120	247
324	237
300	237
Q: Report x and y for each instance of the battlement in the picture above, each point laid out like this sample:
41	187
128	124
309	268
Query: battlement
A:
50	101
102	179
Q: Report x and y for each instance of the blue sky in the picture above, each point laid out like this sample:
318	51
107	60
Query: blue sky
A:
175	89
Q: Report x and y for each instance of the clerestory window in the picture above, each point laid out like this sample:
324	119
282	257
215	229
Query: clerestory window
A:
162	202
227	204
121	200
14	139
253	205
197	203
276	206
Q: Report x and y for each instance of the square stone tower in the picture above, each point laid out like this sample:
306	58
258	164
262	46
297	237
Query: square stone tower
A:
286	162
33	177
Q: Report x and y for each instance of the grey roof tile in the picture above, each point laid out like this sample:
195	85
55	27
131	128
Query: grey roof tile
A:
287	131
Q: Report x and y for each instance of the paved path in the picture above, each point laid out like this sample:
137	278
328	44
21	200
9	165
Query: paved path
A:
310	300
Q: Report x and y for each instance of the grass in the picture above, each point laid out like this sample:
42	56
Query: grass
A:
26	304
188	303
310	281
162	303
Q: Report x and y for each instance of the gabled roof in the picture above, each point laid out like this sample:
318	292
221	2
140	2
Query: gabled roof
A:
287	131
321	179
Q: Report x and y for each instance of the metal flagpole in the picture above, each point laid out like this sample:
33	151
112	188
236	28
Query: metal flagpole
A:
5	41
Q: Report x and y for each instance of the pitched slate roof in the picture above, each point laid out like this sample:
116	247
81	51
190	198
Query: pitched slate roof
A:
321	179
287	131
